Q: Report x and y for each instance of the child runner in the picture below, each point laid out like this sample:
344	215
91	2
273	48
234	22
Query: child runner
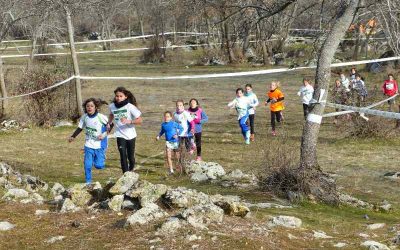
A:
252	111
242	106
126	115
92	121
275	97
306	93
345	85
353	74
360	89
390	88
171	129
184	118
199	118
339	95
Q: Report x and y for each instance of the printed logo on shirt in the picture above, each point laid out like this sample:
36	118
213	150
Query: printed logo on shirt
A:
121	113
390	86
91	133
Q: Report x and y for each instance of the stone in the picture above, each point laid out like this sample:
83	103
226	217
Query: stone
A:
200	216
34	184
146	215
171	226
5	226
41	212
147	192
373	245
265	205
57	189
200	171
54	239
192	237
37	198
237	178
392	175
321	235
376	226
63	124
69	206
182	197
385	206
284	221
396	239
363	235
115	203
340	245
231	205
124	183
15	193
354	202
80	195
130	204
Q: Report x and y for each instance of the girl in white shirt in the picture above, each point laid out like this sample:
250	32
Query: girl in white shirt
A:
306	93
126	115
242	105
92	122
252	111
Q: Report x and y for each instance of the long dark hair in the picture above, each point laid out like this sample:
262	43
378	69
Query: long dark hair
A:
131	98
194	99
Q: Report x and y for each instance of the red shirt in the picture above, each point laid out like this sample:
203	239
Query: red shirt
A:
389	87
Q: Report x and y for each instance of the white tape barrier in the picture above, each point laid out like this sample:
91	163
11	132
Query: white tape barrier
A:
350	111
113	39
365	110
15	41
111	51
41	90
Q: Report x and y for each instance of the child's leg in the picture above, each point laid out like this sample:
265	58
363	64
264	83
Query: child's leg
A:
178	163
273	120
251	118
243	125
121	142
99	158
88	163
130	148
305	110
168	153
198	143
279	116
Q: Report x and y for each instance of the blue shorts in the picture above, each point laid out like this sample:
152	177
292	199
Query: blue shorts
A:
93	157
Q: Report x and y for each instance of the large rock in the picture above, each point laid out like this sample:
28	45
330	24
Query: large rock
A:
182	197
376	226
354	202
231	205
237	178
147	192
284	221
115	203
130	204
69	206
80	195
15	194
171	226
34	184
146	215
124	183
57	189
373	245
5	226
203	171
200	216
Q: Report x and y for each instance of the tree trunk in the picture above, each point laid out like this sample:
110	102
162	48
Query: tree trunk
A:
75	62
33	51
323	75
228	44
4	103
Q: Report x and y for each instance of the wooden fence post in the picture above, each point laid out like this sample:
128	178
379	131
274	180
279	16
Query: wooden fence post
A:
75	62
3	90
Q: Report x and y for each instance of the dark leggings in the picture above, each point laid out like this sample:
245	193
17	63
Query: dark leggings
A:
127	153
275	115
251	119
187	141
197	137
306	110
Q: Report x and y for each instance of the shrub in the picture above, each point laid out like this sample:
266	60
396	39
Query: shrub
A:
44	108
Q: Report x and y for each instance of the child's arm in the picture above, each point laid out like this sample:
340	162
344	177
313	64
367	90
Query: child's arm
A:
179	128
75	134
110	123
204	117
191	122
256	102
162	131
232	104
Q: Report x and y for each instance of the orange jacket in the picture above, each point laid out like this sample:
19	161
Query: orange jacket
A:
276	94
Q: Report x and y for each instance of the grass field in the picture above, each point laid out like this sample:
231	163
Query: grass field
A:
358	163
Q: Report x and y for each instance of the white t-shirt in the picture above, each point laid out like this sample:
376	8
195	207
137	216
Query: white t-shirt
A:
183	119
130	112
253	102
306	93
92	128
242	106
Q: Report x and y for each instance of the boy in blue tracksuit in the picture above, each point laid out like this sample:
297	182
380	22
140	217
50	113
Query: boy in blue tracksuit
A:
171	129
